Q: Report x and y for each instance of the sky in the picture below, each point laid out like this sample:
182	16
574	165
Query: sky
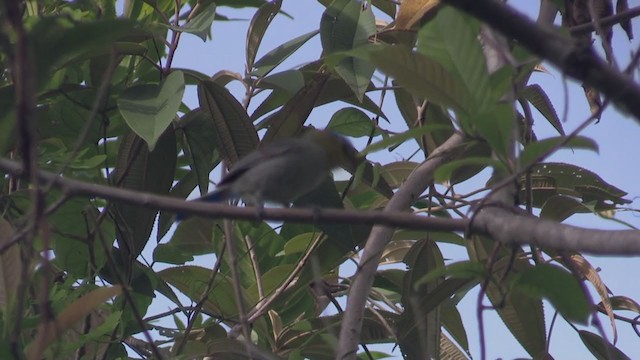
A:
617	160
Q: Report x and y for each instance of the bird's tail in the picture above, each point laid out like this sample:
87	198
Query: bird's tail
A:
216	195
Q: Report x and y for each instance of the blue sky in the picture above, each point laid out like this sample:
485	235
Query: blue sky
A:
617	161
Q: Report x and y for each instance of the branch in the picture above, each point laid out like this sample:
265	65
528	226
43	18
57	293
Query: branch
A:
606	21
576	61
73	187
379	237
508	228
502	225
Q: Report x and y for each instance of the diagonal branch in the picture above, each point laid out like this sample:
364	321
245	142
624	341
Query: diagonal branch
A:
574	60
379	237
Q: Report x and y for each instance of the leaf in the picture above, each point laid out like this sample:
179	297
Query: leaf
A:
419	328
624	303
452	322
622	6
148	171
549	179
395	252
459	270
257	28
534	150
335	89
352	122
590	273
193	280
495	125
422	76
412	11
386	7
600	348
48	331
289	120
346	25
192	237
200	25
522	314
56	41
539	99
559	208
276	56
402	137
236	136
445	171
558	286
149	109
200	136
451	39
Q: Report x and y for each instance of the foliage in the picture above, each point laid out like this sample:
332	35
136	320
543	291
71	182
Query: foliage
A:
108	110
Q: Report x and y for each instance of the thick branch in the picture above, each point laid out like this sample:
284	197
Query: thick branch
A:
579	62
509	228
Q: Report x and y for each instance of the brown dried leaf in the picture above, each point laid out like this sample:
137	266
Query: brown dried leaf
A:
412	11
622	6
591	274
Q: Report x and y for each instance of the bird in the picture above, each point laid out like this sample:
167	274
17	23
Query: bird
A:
284	170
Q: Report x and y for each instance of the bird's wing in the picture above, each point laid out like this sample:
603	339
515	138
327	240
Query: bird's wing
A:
258	157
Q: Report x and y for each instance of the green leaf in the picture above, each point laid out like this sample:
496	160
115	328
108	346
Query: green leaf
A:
200	25
539	99
422	77
236	135
352	122
192	281
534	150
451	39
290	119
460	270
420	328
257	28
345	25
452	322
549	179
289	81
558	286
495	125
601	348
387	7
200	136
299	243
335	89
56	41
559	208
276	56
445	172
401	138
192	237
149	109
522	314
139	169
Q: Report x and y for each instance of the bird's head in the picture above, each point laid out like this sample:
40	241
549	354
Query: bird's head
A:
340	152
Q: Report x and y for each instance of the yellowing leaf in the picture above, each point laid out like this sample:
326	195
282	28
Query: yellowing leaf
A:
411	11
77	311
